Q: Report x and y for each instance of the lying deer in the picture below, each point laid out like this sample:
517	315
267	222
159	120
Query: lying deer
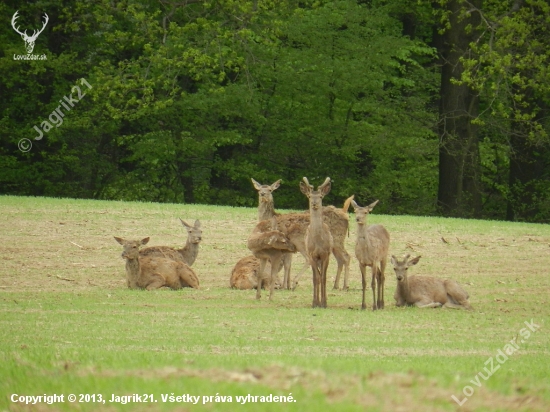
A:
246	272
424	291
187	254
153	272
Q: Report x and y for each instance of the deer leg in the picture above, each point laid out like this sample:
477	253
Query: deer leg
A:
379	289
452	305
260	278
343	259
346	269
457	302
324	270
287	263
428	305
319	292
381	281
362	268
316	279
304	269
340	261
275	262
157	283
373	286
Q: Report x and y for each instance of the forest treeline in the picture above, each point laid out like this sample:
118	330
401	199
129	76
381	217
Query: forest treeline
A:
433	107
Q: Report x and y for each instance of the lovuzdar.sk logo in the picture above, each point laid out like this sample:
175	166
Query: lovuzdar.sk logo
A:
29	40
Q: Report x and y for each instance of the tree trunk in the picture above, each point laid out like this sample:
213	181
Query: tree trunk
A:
459	191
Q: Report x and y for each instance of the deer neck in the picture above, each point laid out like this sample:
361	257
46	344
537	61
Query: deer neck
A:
316	219
266	210
133	272
403	288
362	230
189	252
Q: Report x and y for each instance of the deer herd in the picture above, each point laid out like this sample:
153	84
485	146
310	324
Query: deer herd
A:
316	234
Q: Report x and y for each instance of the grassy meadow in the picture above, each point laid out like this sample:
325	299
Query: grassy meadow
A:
69	325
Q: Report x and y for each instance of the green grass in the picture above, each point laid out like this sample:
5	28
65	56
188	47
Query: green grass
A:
70	326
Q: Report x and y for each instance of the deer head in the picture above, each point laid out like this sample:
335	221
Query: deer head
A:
29	40
131	247
315	196
401	266
194	232
264	191
361	213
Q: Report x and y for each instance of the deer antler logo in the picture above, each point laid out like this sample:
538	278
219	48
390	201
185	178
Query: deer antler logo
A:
29	40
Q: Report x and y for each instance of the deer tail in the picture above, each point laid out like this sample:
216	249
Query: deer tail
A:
347	203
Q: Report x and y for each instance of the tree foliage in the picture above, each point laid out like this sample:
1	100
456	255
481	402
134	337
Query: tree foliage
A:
510	71
189	99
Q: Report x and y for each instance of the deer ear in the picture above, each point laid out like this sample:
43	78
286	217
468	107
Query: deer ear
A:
371	206
119	240
197	224
413	261
145	241
354	204
305	189
393	260
257	186
275	185
325	187
184	223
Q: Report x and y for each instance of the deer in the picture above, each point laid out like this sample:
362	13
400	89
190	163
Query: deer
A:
425	291
188	254
371	249
318	240
245	272
153	272
269	245
337	219
29	40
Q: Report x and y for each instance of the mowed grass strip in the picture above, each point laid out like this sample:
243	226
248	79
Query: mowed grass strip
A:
70	325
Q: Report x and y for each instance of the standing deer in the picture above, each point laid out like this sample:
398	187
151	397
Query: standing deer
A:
424	291
187	254
269	245
29	40
318	240
338	222
371	249
152	272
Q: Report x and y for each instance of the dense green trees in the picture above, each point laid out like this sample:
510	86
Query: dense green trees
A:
415	104
510	70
